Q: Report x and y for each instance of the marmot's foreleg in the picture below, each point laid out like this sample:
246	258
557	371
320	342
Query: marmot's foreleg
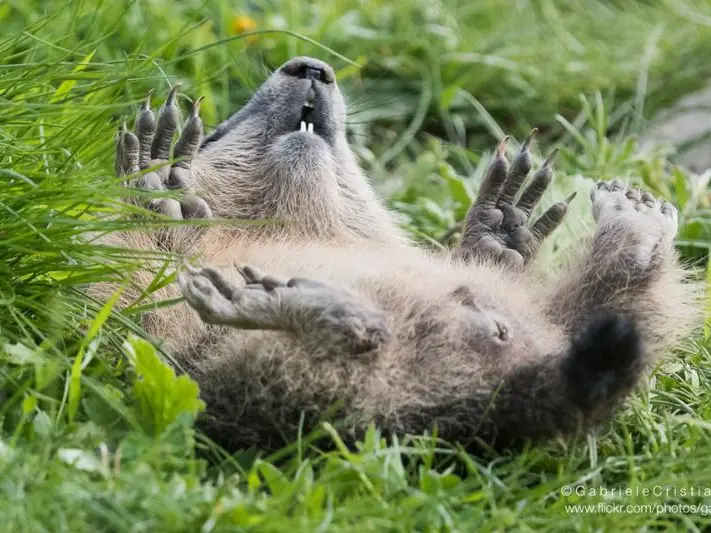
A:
630	268
329	321
497	224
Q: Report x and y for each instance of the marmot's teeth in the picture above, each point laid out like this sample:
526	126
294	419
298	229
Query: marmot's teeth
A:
308	128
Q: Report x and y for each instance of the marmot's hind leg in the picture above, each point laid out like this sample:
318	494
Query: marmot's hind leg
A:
329	321
496	226
562	394
622	307
630	267
150	147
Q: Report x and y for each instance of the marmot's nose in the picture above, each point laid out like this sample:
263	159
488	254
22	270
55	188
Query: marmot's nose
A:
308	68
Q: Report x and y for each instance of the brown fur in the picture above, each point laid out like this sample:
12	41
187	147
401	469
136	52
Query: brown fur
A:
475	348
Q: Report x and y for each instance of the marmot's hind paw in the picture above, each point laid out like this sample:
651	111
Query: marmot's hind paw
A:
497	224
150	146
628	217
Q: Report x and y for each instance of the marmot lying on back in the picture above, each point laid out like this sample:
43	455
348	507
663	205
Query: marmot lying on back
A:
333	310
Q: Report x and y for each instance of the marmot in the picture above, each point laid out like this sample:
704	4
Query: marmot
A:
333	310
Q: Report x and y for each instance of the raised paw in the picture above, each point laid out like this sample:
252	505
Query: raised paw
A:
216	299
150	146
497	224
627	217
328	320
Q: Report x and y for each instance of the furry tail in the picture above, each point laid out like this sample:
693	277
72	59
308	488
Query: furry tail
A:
563	394
604	364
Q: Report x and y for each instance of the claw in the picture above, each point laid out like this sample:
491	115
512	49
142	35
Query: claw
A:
190	268
501	148
147	102
196	105
527	143
570	198
242	272
171	95
551	157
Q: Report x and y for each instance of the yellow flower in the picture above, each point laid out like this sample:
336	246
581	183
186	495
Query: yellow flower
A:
244	24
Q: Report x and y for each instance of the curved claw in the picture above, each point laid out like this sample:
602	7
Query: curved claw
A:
551	157
196	105
527	142
147	102
501	148
170	99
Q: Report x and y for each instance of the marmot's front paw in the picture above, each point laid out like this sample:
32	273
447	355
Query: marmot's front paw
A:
150	146
325	314
327	319
634	219
497	225
208	292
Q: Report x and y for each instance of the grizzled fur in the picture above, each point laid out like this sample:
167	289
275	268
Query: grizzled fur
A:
334	311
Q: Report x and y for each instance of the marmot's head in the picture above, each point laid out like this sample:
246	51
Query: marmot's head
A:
299	105
285	155
291	134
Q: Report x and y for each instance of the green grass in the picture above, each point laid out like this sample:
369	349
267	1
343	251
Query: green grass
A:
96	434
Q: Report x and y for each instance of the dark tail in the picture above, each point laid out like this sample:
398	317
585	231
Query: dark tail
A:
604	364
563	394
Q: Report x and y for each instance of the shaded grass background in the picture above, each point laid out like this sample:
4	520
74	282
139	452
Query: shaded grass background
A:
85	446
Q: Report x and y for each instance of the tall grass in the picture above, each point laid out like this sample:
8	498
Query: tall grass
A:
87	444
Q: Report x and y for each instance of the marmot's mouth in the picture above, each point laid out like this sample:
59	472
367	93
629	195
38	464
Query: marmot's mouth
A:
306	124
